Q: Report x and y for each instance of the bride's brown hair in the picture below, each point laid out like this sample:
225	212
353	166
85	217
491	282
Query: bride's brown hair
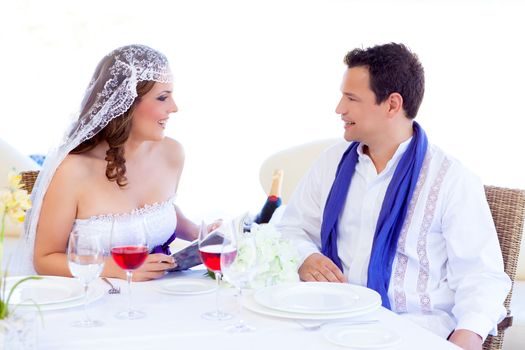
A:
115	134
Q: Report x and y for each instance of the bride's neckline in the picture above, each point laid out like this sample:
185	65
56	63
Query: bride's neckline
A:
143	210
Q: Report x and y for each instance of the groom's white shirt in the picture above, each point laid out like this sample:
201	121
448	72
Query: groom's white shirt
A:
448	271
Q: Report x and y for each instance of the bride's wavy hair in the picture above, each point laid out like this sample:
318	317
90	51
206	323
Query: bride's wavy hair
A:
117	131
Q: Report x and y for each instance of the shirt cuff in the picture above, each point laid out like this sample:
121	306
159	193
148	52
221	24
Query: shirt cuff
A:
305	249
477	323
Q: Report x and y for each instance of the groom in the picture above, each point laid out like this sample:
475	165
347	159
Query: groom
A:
397	214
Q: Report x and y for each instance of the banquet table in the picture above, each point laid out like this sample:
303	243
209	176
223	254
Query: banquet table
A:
174	321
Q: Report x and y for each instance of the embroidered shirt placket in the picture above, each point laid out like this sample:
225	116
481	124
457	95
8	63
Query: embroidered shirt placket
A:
430	208
401	261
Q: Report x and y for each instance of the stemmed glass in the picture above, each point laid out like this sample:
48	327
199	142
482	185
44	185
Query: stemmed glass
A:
211	250
239	270
129	251
86	260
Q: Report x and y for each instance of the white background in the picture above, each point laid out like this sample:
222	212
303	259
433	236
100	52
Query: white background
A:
254	77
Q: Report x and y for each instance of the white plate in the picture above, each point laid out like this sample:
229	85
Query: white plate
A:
317	298
95	292
48	290
369	336
188	286
250	303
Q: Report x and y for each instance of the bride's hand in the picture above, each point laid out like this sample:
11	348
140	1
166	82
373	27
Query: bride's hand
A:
154	267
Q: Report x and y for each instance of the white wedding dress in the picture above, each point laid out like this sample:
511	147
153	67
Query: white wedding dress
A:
159	221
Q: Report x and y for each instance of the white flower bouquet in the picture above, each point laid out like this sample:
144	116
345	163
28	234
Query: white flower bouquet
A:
277	258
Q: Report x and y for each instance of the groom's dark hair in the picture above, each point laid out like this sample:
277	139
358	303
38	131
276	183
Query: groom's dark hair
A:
392	68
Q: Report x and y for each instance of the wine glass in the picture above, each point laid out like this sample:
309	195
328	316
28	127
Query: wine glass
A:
129	251
239	270
211	250
86	260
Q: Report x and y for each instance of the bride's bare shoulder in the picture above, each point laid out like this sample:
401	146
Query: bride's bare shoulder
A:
76	167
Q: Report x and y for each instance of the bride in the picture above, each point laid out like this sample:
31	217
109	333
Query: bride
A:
114	165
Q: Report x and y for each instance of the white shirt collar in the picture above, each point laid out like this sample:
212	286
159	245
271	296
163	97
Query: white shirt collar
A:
392	163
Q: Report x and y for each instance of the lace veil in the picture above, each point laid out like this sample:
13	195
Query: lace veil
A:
110	93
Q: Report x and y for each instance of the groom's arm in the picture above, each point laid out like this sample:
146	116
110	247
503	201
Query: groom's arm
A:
301	224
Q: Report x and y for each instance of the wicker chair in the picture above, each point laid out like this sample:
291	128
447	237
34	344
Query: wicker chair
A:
28	180
508	209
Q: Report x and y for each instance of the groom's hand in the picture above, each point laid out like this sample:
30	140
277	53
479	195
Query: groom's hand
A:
318	267
466	339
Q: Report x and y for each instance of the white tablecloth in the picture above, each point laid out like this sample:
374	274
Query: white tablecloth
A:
175	322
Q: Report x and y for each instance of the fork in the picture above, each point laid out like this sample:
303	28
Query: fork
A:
112	290
309	326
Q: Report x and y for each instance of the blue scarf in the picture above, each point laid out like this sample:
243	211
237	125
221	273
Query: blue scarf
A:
391	217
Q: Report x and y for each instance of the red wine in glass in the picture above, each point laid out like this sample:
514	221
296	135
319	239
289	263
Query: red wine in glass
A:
211	256
129	257
211	247
129	250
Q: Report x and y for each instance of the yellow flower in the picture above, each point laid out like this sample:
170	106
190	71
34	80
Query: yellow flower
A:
5	196
14	202
14	180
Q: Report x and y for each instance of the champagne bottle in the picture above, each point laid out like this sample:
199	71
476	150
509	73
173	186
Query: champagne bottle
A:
274	199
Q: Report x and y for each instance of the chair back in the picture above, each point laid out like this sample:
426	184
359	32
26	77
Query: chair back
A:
508	210
11	158
294	162
28	180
